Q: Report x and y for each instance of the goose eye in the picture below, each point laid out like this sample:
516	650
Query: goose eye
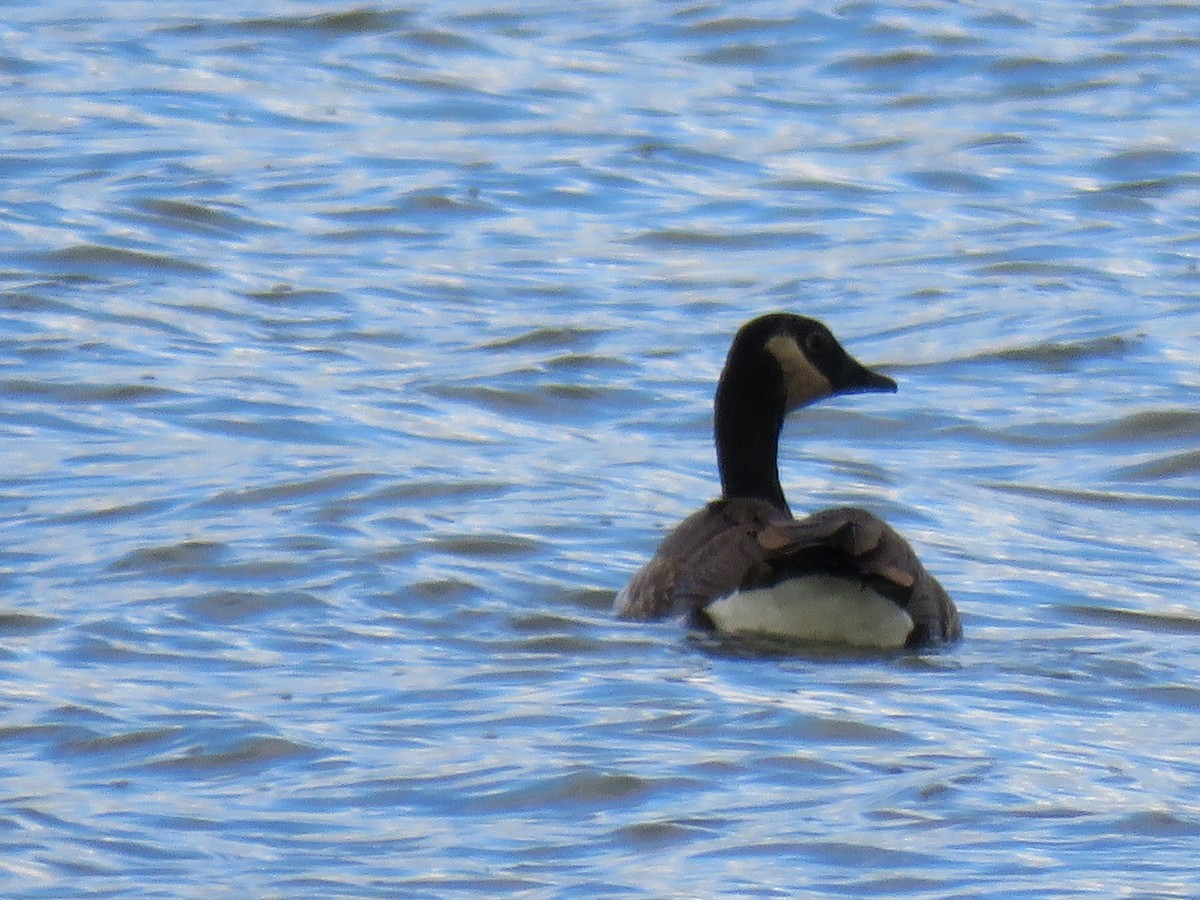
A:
814	343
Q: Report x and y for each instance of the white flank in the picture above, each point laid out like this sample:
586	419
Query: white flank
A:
815	608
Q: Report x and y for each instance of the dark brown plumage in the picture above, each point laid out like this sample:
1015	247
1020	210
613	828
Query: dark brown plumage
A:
743	562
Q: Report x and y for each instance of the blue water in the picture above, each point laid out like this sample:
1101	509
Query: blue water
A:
352	357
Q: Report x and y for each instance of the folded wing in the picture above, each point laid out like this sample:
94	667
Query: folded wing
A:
854	543
744	545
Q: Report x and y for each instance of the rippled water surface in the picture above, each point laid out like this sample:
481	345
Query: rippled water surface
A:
353	356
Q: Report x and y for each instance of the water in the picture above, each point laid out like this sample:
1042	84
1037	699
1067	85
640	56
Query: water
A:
353	356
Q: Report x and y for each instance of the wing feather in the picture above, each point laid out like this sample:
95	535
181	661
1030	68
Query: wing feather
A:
856	543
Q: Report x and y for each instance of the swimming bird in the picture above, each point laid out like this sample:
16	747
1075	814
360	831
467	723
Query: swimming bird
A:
743	563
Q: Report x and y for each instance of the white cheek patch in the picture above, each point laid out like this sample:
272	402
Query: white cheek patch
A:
805	383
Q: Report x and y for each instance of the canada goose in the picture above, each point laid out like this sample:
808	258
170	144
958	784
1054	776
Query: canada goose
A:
743	563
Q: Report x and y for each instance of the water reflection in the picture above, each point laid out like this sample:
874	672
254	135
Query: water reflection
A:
354	357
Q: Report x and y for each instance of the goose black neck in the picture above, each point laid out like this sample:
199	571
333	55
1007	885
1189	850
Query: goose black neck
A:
746	423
